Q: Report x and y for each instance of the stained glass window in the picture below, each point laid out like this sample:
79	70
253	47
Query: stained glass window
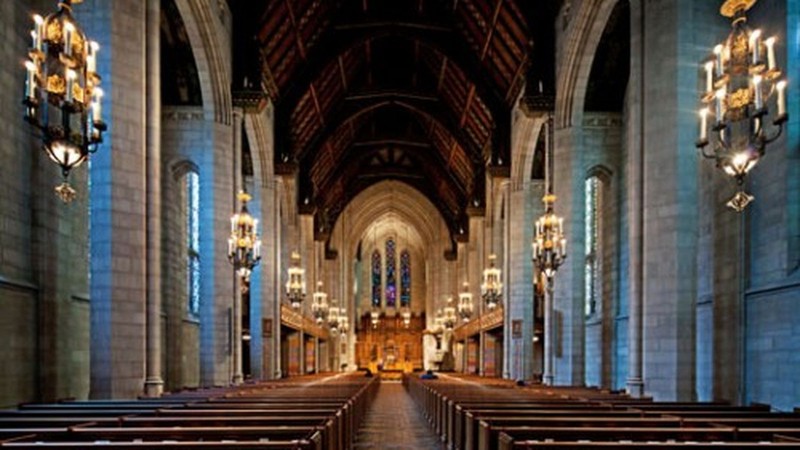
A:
592	228
376	278
405	278
391	275
193	241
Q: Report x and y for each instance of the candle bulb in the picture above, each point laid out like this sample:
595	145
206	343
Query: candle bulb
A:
755	45
720	108
781	88
70	83
770	43
709	77
757	91
97	106
39	30
31	82
718	53
563	247
69	28
91	56
704	124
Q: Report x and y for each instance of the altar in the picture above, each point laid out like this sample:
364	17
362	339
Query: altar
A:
390	347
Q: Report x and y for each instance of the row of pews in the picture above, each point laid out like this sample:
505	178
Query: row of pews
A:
474	413
315	412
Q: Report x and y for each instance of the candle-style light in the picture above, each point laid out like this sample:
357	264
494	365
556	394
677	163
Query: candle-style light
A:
61	87
449	317
375	317
405	315
492	286
746	79
296	283
465	306
244	245
319	304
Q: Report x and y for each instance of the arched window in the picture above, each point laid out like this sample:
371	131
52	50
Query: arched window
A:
376	278
192	190
592	226
391	275
405	278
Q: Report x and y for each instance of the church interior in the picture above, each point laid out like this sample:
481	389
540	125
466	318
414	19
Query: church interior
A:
300	223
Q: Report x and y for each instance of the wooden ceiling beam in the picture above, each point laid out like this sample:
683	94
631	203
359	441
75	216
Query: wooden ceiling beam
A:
497	8
349	110
338	39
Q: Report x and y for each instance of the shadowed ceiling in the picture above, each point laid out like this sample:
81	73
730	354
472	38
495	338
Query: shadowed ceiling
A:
419	91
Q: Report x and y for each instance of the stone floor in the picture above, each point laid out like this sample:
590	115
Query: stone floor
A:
393	422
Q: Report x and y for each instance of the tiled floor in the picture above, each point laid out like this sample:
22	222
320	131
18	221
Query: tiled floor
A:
394	423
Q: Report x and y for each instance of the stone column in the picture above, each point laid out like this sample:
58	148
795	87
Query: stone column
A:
154	384
118	206
548	377
521	216
265	288
308	255
568	286
475	262
238	184
635	192
669	205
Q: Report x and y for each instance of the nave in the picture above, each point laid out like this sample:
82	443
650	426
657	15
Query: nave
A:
358	411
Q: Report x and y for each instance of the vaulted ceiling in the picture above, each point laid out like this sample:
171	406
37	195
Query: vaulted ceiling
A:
419	91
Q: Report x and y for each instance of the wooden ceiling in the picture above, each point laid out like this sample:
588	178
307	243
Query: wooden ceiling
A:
365	90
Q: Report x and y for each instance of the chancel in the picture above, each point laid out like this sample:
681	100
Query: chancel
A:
349	224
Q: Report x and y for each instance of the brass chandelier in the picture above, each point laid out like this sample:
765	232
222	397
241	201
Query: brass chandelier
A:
549	244
449	315
63	98
740	80
465	304
492	286
319	304
296	283
244	245
334	317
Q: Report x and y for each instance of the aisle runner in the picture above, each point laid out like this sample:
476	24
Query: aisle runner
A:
393	423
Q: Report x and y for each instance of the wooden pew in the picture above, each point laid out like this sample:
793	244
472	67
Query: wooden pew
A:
488	426
468	432
310	413
512	434
507	443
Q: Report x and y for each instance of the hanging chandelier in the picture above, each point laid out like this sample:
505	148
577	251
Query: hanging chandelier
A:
62	95
740	80
375	317
438	322
319	304
296	284
244	246
344	322
492	286
333	317
449	317
549	245
405	314
465	304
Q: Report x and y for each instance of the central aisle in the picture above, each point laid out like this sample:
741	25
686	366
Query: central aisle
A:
393	422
